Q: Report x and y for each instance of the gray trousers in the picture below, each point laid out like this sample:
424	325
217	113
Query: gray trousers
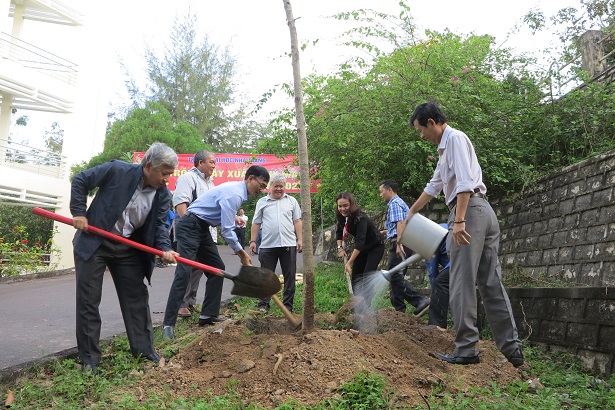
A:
192	289
477	265
126	267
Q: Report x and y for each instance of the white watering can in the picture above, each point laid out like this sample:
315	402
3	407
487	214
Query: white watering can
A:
423	236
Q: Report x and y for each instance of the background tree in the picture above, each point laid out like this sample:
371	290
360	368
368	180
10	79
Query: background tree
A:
141	128
357	116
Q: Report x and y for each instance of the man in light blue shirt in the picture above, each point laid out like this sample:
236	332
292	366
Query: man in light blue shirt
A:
216	207
401	290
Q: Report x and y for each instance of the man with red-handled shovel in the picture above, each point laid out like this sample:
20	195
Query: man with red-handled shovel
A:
132	201
216	207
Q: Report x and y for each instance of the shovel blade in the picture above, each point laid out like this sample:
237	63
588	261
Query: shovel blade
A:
255	282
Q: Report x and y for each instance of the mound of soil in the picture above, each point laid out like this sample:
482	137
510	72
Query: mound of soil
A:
268	362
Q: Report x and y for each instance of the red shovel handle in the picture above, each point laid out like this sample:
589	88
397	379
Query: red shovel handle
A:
92	229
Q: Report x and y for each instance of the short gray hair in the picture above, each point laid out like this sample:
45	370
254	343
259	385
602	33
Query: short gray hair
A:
160	154
202	156
277	178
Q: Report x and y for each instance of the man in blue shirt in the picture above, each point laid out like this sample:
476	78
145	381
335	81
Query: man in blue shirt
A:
216	207
401	290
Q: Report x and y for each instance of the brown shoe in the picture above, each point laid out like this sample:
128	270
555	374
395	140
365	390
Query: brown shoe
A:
184	312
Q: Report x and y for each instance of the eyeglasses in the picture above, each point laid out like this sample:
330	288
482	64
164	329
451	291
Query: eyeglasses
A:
263	185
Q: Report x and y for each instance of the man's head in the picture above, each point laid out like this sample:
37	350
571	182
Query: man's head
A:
388	189
158	164
205	162
276	186
256	179
429	120
241	212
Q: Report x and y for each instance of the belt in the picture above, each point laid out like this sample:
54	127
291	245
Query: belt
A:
472	195
202	222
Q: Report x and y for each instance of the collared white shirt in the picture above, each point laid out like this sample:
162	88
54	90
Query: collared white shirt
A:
458	169
134	215
276	218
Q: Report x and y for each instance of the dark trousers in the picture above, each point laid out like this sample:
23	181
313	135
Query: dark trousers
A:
241	235
269	257
401	290
126	267
363	268
194	242
438	308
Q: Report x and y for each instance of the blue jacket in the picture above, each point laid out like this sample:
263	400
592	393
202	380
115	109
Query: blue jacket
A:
116	182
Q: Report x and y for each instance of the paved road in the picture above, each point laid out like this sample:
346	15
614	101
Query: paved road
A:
37	317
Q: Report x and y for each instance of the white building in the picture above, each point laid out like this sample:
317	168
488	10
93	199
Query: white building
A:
35	79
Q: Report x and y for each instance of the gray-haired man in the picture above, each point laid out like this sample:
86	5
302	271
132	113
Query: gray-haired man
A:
279	216
132	201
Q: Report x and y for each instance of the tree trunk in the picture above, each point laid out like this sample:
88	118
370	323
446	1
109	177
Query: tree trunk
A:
306	201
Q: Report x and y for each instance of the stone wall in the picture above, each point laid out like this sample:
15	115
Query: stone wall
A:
580	319
565	226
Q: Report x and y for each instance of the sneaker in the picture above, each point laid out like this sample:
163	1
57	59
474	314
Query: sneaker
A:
167	332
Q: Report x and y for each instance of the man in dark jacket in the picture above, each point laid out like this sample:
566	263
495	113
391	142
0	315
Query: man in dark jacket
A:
132	201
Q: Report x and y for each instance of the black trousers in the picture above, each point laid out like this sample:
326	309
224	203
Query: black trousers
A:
241	235
438	308
194	242
269	257
363	268
401	290
127	271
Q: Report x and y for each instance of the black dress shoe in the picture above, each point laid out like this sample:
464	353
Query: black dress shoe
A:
208	321
90	369
516	358
453	359
421	308
152	356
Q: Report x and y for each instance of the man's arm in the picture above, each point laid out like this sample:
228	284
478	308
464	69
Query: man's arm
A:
181	208
299	233
253	234
460	235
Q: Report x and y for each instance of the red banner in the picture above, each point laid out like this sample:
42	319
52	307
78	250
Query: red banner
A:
232	167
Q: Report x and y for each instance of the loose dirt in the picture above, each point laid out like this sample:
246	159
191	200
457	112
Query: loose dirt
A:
267	362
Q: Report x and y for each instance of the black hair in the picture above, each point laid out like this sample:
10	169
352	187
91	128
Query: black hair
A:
389	183
257	171
426	111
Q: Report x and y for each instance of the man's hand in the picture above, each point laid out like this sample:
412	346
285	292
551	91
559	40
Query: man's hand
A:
81	223
460	235
239	222
400	250
246	260
299	245
169	256
252	248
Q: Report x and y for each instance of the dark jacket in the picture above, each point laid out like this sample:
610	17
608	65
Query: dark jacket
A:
365	233
116	182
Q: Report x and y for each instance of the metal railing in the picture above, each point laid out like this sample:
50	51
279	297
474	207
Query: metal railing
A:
35	58
32	159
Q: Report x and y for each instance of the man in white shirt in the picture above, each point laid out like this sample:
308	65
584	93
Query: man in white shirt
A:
188	188
472	243
278	215
241	221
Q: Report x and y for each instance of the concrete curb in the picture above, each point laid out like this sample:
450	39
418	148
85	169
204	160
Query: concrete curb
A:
32	276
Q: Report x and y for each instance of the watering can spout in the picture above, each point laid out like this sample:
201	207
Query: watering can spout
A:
387	275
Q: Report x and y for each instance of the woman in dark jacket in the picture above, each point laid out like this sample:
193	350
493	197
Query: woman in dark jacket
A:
368	247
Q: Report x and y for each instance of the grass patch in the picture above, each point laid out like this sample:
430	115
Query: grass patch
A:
63	385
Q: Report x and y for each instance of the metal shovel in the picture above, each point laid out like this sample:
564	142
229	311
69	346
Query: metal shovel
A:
251	281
